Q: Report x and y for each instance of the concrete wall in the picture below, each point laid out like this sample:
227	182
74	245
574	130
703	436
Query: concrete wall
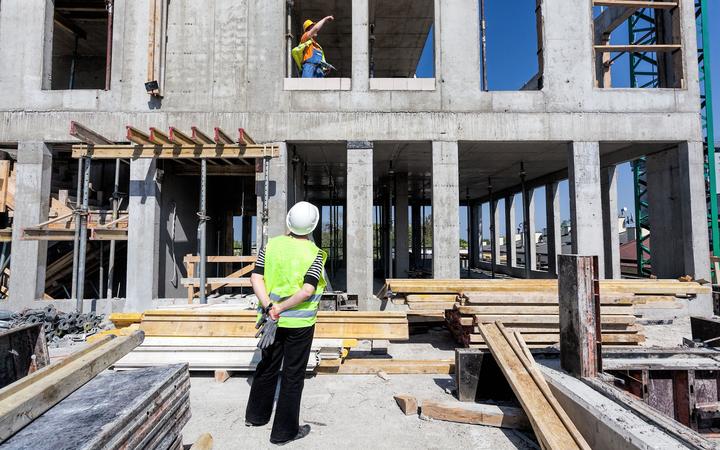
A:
225	66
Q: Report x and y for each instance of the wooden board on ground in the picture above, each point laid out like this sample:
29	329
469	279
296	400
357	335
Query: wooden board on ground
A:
407	403
548	423
396	366
476	413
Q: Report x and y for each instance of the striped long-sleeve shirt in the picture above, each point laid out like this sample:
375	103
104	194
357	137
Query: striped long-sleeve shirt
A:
312	276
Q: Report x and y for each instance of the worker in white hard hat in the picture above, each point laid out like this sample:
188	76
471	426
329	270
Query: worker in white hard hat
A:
288	281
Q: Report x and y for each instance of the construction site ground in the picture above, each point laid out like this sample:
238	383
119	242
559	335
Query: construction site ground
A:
358	411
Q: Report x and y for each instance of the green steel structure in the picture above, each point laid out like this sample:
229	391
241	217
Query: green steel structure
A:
703	21
643	74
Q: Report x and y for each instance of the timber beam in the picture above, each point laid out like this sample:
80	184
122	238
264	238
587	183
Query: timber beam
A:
150	150
87	135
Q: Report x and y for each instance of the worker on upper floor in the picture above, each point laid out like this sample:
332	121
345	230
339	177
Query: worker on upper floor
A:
309	55
288	281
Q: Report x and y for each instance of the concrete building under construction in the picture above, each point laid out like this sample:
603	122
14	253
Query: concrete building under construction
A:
391	157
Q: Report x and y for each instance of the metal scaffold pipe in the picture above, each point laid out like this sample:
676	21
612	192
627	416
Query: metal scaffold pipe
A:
82	246
202	231
116	207
76	239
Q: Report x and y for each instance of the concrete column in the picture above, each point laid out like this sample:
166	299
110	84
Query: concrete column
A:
416	234
402	254
360	221
445	210
585	200
360	45
554	231
32	201
696	246
510	248
494	233
143	236
278	198
611	229
458	51
475	238
529	227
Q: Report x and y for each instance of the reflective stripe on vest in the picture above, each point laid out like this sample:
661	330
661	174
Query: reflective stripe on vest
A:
287	260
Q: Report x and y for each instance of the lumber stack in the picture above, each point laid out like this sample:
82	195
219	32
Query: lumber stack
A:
216	322
423	308
144	408
619	288
217	353
538	323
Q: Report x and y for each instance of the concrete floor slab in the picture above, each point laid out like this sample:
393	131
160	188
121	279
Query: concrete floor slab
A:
344	411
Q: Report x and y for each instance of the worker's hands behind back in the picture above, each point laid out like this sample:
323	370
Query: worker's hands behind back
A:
274	312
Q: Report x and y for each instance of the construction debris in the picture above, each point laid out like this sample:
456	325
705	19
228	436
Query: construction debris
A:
56	324
204	442
551	424
407	403
476	413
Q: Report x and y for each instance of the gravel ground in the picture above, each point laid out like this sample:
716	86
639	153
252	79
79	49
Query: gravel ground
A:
344	411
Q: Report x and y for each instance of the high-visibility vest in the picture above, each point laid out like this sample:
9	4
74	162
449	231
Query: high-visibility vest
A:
287	260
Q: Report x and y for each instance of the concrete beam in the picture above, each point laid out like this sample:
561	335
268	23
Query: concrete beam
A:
402	253
611	228
445	210
143	236
32	201
359	206
554	230
585	199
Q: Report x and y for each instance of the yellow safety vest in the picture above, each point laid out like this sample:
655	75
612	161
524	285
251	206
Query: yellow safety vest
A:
287	260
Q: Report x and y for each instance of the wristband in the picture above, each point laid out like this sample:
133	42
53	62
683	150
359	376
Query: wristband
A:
267	310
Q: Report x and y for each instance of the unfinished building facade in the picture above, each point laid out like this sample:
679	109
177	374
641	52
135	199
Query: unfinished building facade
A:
392	155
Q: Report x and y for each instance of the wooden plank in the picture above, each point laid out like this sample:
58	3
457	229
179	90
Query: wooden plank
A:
179	138
146	149
87	135
28	398
476	414
244	138
201	137
221	259
222	137
396	366
548	426
553	338
537	309
659	48
636	4
204	442
430	306
133	135
159	138
407	403
432	298
5	181
545	298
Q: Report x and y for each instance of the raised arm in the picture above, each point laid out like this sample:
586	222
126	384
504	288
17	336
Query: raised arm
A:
313	32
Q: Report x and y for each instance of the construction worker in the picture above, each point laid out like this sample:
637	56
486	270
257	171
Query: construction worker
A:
313	56
288	281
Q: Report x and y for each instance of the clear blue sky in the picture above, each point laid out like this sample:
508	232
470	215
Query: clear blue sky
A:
512	60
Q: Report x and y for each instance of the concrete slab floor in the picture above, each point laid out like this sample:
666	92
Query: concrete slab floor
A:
344	411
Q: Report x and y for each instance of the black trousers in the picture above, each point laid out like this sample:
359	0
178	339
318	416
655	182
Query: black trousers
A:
290	350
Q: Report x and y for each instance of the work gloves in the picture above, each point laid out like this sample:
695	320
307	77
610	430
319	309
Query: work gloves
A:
267	327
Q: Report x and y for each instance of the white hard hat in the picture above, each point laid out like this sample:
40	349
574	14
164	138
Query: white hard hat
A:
302	218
